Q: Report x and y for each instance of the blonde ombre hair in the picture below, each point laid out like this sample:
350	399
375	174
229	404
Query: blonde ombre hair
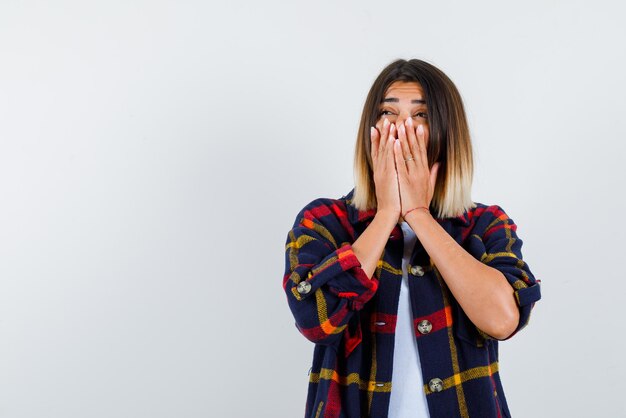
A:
449	138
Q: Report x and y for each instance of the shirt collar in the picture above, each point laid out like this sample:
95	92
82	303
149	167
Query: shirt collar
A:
358	216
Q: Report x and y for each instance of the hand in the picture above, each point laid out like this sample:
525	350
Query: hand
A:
416	180
385	174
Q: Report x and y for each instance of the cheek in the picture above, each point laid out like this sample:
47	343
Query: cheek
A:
390	118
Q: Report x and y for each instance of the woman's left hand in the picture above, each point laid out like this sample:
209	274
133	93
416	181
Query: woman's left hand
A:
416	180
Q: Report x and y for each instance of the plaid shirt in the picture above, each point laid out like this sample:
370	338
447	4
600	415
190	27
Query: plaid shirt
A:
351	318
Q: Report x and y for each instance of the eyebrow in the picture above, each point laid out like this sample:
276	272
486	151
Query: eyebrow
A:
396	100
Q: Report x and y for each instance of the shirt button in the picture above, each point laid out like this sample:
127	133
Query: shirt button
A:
424	326
417	271
304	287
435	385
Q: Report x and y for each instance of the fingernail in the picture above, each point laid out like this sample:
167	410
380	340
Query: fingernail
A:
385	122
372	131
421	128
409	122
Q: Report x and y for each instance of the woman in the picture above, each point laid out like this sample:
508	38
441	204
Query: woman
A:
406	285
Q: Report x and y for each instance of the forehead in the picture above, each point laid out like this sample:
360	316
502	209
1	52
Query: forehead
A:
405	89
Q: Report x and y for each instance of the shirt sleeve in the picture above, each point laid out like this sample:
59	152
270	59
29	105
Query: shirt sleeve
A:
323	281
500	247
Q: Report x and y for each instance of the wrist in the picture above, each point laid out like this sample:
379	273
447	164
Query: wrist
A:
418	213
388	218
424	209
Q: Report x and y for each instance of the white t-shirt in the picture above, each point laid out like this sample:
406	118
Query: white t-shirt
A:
408	399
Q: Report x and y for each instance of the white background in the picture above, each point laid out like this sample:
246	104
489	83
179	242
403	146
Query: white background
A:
154	154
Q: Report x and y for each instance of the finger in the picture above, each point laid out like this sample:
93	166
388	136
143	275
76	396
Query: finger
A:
380	143
400	163
414	144
410	142
404	144
422	145
374	138
389	149
433	175
426	142
384	134
379	127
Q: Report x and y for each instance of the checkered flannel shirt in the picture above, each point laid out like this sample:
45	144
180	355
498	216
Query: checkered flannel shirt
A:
351	317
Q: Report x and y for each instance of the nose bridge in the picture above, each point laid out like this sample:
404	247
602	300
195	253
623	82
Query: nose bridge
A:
403	115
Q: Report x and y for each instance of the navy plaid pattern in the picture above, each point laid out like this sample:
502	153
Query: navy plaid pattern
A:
351	317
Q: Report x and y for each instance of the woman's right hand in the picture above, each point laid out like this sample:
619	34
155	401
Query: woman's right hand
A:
385	173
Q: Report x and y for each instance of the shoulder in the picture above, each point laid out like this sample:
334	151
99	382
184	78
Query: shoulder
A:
324	208
484	211
328	217
487	218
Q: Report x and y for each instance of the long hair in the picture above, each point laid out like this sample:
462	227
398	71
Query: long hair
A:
449	138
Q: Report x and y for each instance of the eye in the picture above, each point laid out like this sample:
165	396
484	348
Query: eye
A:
421	114
385	112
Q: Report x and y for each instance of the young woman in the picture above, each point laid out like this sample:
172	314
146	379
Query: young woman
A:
406	285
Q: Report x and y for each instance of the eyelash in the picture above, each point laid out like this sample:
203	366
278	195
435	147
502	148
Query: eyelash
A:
382	112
